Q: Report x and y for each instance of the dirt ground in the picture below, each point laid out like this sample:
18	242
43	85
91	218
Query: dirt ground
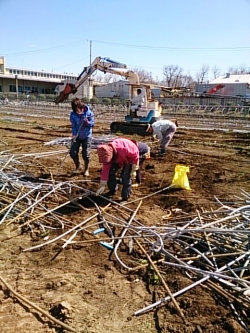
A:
83	285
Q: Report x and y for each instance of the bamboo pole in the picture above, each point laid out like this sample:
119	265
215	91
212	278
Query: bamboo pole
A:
162	280
34	306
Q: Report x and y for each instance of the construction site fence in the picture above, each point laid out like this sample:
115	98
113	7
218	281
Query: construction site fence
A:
198	116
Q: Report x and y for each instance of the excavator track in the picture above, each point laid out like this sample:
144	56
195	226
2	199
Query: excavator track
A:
128	128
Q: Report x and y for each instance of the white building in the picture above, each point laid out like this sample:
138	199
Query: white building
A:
233	85
115	89
15	80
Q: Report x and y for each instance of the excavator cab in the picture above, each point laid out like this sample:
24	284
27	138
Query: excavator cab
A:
142	111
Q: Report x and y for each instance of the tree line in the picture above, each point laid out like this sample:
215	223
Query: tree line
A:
174	76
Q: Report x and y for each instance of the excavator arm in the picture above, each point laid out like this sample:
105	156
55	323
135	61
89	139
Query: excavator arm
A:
216	88
105	65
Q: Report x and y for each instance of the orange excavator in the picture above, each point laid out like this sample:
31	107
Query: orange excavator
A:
143	109
105	65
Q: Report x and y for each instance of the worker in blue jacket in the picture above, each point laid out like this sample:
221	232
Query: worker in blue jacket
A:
82	121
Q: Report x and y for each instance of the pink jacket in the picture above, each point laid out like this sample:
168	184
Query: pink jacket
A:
127	152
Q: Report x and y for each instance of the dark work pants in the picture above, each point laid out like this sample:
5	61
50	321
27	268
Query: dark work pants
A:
138	172
125	180
167	137
86	148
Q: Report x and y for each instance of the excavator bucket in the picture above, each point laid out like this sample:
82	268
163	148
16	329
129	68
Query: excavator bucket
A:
69	89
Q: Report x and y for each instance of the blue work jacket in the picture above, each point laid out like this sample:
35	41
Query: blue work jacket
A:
82	124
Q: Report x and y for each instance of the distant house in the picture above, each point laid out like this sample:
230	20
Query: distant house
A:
233	85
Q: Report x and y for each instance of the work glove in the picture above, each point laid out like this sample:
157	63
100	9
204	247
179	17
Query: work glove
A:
155	138
133	171
101	189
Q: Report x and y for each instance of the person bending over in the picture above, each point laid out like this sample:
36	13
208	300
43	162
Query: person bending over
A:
120	154
164	130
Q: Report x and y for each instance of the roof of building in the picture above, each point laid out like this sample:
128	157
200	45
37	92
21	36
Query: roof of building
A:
232	78
30	78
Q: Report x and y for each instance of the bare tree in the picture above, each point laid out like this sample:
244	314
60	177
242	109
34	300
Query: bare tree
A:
216	71
186	80
144	76
175	78
202	74
171	75
178	78
242	69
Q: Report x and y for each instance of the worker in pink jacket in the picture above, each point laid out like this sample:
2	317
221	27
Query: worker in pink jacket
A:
119	154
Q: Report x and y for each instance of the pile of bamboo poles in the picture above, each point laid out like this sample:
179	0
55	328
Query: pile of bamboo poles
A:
210	247
95	140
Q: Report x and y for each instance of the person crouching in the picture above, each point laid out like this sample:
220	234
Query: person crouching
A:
164	131
121	154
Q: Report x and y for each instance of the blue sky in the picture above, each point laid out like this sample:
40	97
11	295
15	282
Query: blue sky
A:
55	34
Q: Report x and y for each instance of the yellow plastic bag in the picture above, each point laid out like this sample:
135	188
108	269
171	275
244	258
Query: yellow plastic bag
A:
180	179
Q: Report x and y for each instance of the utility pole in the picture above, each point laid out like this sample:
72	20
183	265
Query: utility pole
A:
90	77
16	77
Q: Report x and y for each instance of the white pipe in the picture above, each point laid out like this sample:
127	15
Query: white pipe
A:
164	300
122	235
62	235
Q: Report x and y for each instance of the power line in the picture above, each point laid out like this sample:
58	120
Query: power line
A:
159	48
231	48
72	63
44	50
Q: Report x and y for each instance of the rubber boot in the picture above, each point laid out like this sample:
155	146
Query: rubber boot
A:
162	151
86	170
78	167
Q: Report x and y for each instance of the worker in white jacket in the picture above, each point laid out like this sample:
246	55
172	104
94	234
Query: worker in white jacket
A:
138	101
164	130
